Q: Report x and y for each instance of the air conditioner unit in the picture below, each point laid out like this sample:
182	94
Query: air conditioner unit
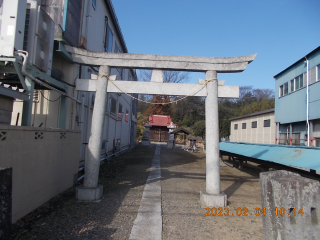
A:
38	37
12	21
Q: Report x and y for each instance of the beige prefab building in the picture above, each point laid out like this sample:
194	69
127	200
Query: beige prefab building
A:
256	127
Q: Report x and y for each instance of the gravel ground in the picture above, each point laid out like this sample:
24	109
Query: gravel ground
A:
124	178
63	217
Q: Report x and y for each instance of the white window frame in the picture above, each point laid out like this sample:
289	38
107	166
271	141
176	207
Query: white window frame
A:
292	85
281	90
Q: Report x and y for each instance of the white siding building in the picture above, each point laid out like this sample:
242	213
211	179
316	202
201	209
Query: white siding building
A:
97	30
45	123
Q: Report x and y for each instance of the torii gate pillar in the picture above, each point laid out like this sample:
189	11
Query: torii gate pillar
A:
91	190
212	197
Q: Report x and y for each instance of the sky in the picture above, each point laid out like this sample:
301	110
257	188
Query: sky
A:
280	31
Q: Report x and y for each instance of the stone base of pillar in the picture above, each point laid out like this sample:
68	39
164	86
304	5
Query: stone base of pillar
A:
170	144
212	200
145	142
89	194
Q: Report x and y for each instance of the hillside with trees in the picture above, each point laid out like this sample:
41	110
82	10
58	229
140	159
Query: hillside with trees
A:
189	113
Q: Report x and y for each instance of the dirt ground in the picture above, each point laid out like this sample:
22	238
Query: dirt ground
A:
183	176
124	177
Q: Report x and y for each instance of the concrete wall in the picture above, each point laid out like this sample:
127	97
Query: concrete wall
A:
44	161
261	134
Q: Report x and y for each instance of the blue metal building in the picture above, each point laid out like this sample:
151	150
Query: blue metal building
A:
297	104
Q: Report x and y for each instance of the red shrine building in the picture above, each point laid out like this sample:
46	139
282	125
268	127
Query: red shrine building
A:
159	131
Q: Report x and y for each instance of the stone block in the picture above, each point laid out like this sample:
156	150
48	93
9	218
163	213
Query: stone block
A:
291	204
212	200
170	144
89	194
5	202
145	142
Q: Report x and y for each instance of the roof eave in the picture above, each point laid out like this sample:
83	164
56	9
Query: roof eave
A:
301	59
117	26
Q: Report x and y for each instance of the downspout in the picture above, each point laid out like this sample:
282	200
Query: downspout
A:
308	130
65	11
24	54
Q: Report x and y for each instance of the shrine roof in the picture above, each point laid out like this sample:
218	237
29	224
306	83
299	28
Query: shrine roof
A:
181	130
160	120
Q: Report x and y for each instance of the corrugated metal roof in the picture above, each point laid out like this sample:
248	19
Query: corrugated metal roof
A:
253	114
297	156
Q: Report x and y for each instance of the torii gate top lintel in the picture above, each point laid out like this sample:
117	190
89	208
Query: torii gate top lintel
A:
163	62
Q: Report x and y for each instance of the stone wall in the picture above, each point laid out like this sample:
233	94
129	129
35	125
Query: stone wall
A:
44	163
292	205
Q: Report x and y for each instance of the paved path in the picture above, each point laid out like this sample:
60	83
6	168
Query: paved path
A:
170	208
148	224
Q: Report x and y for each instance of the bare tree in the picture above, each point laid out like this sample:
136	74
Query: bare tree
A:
168	76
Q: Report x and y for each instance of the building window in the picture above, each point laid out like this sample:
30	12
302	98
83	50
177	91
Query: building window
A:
110	44
120	111
94	4
127	115
113	106
254	124
313	73
285	88
108	36
266	123
292	85
236	127
298	82
117	48
244	125
318	70
304	79
281	91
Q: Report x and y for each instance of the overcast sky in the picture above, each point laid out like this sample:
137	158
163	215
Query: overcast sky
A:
279	31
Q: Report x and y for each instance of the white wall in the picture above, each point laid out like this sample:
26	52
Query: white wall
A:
261	135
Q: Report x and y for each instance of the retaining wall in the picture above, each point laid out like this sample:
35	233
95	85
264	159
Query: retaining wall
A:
44	163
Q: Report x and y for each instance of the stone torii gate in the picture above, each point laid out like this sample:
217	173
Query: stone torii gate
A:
212	196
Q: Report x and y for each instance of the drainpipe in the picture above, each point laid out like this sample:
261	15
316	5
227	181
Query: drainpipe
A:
24	54
308	101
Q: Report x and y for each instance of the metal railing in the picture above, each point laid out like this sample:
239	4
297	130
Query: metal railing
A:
290	140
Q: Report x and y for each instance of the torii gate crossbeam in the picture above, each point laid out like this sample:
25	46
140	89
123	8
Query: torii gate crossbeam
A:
212	196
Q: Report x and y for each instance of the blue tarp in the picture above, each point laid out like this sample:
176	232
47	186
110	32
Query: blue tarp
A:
297	156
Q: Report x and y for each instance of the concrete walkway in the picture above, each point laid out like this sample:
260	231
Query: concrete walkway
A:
148	224
180	217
